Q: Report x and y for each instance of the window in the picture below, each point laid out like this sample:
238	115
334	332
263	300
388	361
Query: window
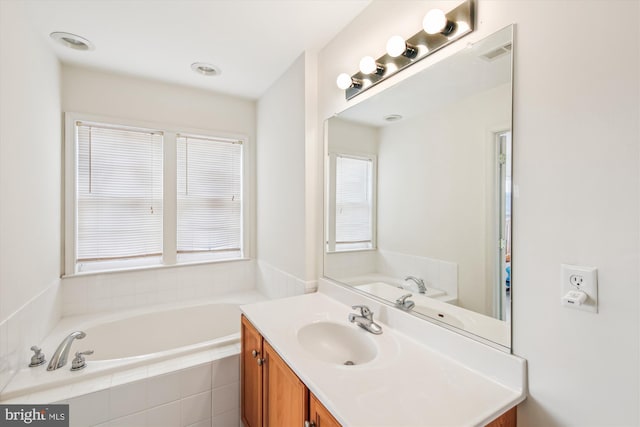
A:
209	198
141	196
352	202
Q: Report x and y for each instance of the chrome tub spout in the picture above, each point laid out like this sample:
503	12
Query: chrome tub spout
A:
59	358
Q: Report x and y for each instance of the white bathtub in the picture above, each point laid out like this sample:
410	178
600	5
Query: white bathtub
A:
133	345
149	335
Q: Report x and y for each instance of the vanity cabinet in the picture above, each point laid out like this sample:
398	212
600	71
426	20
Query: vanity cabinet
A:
251	373
319	416
272	394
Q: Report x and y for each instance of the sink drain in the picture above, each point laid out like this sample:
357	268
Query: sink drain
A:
349	363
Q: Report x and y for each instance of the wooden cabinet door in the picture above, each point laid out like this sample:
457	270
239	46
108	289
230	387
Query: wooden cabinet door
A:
508	419
251	375
319	415
285	396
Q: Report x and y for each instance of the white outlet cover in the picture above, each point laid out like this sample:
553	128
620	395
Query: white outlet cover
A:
589	285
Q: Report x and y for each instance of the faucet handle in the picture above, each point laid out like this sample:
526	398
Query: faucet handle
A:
364	310
38	358
78	362
403	298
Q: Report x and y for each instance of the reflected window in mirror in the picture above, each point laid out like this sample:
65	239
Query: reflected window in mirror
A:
352	202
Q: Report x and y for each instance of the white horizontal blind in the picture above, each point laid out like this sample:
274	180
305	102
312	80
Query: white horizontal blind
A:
118	193
209	182
354	202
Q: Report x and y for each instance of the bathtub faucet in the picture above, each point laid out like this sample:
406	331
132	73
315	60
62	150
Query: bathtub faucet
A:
59	358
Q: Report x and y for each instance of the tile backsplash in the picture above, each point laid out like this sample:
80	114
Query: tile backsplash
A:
27	327
93	293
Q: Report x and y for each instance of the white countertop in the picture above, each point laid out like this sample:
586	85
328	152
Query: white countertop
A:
407	384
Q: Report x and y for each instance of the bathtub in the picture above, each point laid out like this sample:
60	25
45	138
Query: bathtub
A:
137	348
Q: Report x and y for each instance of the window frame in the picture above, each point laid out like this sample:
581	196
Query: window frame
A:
170	133
330	237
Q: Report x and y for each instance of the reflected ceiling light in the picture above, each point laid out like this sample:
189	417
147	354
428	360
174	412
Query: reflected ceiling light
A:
435	21
345	81
392	117
205	69
368	65
397	46
72	41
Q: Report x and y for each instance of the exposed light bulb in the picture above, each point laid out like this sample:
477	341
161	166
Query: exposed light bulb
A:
396	46
344	81
368	65
434	21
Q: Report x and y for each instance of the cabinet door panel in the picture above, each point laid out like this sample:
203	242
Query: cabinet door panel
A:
251	374
285	396
320	415
508	419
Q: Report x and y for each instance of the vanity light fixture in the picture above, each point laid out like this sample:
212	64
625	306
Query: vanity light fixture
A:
397	46
205	69
368	65
439	29
72	41
435	21
345	81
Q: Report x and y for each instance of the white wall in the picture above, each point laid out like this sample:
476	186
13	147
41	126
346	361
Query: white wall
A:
576	103
285	155
30	189
116	96
352	138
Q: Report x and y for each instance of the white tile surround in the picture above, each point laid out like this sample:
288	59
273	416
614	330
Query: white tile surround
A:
92	293
170	393
26	327
436	273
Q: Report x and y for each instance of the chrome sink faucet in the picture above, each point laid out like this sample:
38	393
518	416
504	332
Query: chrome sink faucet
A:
405	303
59	358
421	286
365	319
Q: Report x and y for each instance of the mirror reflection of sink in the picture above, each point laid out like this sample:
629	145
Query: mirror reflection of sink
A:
336	343
388	291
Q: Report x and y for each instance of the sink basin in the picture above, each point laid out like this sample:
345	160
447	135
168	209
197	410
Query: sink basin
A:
336	343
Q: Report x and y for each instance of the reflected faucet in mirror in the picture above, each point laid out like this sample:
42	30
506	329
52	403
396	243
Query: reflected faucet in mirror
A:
421	287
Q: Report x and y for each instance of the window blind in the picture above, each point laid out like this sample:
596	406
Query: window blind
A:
118	194
354	206
209	211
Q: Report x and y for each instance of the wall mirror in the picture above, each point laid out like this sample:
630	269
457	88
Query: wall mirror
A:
418	192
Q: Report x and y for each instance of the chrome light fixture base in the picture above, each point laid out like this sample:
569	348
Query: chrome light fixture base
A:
460	22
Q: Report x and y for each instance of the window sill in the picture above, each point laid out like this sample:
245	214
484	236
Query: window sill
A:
152	267
352	250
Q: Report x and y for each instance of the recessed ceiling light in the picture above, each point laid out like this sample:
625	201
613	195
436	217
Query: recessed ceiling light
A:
393	117
72	41
205	69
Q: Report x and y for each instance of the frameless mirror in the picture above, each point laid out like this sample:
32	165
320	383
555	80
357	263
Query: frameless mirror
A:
418	192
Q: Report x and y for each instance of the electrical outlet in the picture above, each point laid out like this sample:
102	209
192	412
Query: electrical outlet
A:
582	279
576	280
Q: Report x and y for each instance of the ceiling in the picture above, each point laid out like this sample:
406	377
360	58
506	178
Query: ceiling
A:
252	41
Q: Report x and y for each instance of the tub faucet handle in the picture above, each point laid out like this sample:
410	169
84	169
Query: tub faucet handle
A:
38	358
78	362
